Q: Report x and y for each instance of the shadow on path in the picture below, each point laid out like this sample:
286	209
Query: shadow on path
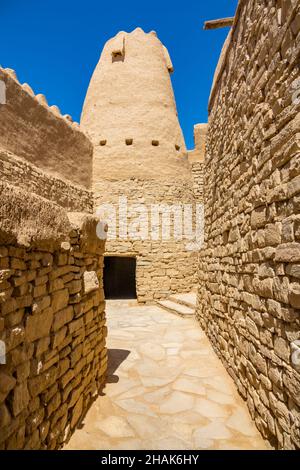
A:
115	359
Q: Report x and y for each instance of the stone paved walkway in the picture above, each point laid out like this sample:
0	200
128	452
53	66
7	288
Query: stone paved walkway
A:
167	390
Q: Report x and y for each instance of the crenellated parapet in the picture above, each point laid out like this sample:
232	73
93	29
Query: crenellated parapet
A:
39	97
39	133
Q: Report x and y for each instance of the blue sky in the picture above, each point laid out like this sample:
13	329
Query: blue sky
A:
54	46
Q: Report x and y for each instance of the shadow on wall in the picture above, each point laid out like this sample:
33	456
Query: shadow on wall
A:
115	359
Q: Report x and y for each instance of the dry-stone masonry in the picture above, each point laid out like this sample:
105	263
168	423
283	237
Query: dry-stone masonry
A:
249	294
53	327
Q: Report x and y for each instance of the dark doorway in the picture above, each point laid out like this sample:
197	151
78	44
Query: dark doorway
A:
119	277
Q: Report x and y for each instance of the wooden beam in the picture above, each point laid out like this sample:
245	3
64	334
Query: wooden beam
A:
222	23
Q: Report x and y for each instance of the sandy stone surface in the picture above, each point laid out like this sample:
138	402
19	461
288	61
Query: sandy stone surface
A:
132	100
166	389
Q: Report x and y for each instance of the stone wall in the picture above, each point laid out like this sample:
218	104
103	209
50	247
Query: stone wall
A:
249	294
32	130
132	99
52	323
197	174
163	267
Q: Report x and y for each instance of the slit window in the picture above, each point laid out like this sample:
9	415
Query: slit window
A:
117	56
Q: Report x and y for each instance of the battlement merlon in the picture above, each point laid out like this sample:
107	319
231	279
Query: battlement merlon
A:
198	154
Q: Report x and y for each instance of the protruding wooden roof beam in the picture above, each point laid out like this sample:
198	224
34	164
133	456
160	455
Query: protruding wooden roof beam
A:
221	23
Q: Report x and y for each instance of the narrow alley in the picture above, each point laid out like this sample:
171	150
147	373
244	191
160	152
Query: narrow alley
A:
166	389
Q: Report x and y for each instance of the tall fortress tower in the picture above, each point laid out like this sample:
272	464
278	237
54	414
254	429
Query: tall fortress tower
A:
139	154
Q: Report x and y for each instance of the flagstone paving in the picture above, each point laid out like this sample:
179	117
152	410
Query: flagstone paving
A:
166	389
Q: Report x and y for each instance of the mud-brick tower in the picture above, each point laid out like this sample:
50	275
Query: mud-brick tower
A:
139	152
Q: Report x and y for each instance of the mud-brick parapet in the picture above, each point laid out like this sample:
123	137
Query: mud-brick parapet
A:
31	129
197	155
52	321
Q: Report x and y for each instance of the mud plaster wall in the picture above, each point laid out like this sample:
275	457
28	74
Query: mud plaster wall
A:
32	130
196	160
249	294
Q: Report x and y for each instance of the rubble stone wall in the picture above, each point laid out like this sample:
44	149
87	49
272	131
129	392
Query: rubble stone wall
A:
249	294
197	174
52	323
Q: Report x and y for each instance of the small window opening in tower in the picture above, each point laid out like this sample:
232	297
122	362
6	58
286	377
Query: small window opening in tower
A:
155	143
117	56
103	142
129	141
177	147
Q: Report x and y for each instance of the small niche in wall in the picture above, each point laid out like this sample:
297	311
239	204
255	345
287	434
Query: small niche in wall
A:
225	236
103	142
155	143
118	52
117	56
128	141
177	147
